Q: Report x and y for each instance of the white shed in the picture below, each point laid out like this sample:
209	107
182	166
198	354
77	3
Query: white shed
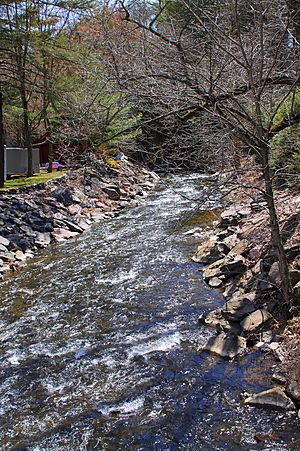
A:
16	161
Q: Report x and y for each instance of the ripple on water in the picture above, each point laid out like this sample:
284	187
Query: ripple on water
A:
99	342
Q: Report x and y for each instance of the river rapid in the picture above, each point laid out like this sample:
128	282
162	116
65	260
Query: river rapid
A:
99	344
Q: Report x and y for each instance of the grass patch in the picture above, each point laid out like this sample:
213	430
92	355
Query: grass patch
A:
19	182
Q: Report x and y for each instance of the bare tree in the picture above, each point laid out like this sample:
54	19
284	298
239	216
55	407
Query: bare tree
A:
231	62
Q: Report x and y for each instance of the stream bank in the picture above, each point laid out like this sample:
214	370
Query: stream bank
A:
237	258
36	216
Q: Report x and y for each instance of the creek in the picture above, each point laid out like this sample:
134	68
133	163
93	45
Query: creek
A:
99	344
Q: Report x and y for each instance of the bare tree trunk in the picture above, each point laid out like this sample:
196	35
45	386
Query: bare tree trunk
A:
27	132
2	175
50	158
275	230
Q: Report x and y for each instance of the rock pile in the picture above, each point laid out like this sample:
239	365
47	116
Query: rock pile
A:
239	258
34	217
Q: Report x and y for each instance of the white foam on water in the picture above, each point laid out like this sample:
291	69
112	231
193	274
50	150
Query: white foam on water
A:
123	276
161	344
51	388
15	357
108	360
151	334
126	407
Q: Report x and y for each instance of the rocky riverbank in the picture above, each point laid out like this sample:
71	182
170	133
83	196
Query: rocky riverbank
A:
238	258
35	217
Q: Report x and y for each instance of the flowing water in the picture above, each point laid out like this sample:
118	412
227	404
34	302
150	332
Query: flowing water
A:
99	345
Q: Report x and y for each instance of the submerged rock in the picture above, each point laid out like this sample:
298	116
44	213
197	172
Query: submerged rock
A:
275	398
226	345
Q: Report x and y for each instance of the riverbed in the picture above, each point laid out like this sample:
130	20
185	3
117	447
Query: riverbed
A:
99	343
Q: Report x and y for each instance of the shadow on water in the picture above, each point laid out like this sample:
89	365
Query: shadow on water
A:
99	345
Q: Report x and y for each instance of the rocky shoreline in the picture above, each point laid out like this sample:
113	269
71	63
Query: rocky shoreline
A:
37	216
238	258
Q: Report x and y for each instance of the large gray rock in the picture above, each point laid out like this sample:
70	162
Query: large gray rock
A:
204	249
7	256
229	266
229	217
74	209
43	239
4	241
63	195
27	230
216	320
275	398
60	234
226	345
240	305
20	256
240	248
215	282
255	320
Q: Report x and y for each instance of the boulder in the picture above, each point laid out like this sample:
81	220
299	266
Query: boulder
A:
20	256
112	191
7	256
24	244
228	266
240	248
42	239
226	345
204	249
297	262
216	320
4	241
255	320
18	242
231	240
215	282
27	230
211	251
63	195
60	234
239	305
292	251
274	398
74	209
